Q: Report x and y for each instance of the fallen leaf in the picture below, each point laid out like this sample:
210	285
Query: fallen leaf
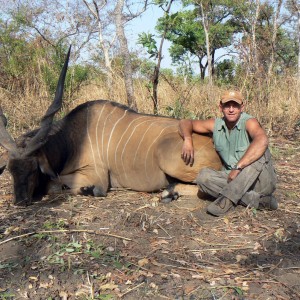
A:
154	203
257	246
240	258
33	278
245	286
279	234
82	292
143	262
153	285
175	275
188	288
45	285
229	271
266	286
108	286
63	295
11	229
125	242
158	243
198	276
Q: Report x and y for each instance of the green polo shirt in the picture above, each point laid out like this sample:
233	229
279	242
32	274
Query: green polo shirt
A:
231	145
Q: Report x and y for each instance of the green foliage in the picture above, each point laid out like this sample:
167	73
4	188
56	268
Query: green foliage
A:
187	35
60	224
225	71
147	40
15	55
7	296
144	68
29	63
178	111
9	266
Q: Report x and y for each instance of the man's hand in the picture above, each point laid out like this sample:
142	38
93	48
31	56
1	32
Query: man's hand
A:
187	153
233	174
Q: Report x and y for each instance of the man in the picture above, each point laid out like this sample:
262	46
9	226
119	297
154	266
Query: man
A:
248	176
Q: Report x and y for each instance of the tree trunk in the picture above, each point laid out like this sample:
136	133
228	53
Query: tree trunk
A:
102	43
125	55
253	32
155	76
207	41
202	70
298	14
213	52
274	36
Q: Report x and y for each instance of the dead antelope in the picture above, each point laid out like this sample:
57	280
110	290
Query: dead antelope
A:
97	146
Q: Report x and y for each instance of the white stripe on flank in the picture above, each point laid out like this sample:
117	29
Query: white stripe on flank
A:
103	129
146	158
150	119
111	133
121	138
91	144
96	135
141	140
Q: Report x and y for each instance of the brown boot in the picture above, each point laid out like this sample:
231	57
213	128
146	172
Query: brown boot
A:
220	206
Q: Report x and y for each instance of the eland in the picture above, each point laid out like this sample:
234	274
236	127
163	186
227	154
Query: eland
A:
99	145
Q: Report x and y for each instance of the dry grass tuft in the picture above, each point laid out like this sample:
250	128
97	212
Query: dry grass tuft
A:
276	106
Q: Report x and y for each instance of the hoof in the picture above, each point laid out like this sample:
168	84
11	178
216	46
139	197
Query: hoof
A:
92	191
168	196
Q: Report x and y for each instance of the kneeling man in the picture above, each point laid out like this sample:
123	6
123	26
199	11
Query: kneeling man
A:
248	176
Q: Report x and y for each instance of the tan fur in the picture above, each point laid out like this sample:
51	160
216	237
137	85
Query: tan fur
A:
133	151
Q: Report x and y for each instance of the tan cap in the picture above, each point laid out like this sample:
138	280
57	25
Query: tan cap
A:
232	95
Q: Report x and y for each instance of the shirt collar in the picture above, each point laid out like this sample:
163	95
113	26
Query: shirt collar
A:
222	124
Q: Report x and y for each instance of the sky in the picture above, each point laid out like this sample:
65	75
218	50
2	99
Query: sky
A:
146	23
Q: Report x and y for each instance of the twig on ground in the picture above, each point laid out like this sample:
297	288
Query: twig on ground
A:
177	267
64	231
221	249
185	262
194	290
290	211
274	267
150	271
132	289
285	285
163	230
203	242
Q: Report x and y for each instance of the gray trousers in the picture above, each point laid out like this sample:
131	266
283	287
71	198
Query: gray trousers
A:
254	181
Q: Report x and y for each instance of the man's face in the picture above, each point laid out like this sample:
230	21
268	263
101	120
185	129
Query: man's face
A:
231	111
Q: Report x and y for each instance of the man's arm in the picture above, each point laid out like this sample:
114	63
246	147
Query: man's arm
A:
256	149
258	145
186	129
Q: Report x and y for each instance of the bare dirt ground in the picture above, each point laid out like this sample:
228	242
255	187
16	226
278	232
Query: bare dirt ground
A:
131	246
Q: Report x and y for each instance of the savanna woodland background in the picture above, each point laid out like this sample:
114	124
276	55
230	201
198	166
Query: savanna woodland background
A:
129	245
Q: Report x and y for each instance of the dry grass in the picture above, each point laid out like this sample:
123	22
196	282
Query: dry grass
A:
276	106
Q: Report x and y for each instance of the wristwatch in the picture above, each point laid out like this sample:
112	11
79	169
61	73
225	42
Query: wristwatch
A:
236	167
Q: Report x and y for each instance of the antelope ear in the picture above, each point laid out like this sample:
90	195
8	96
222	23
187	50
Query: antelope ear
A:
44	165
3	161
